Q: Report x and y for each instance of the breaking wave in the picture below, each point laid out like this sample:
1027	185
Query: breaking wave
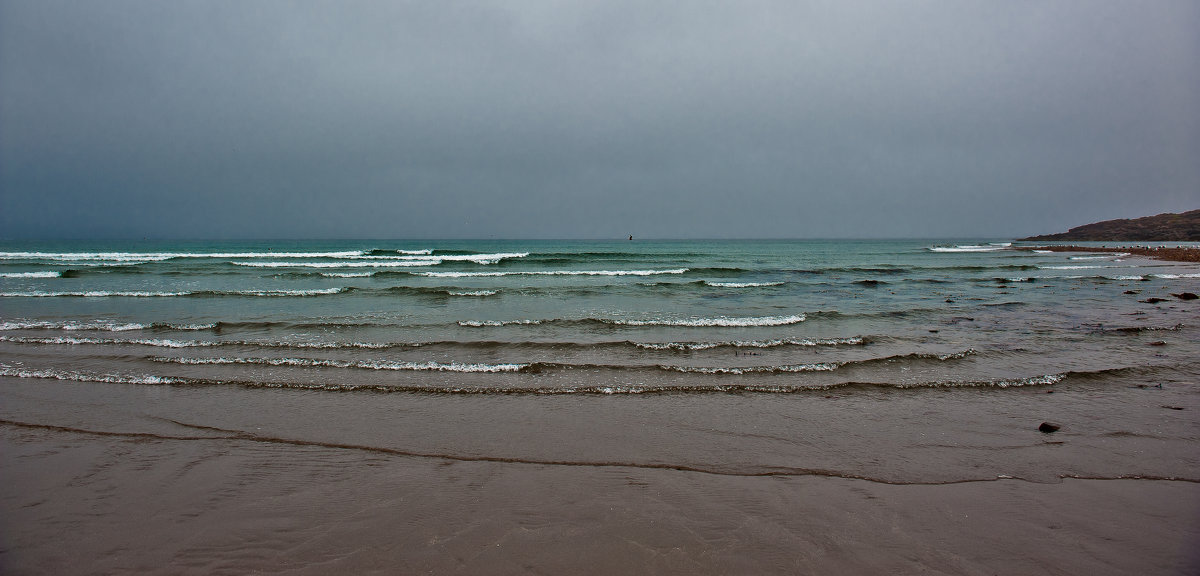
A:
30	274
98	325
369	365
718	322
167	294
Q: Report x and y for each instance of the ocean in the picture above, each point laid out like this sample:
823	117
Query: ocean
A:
264	405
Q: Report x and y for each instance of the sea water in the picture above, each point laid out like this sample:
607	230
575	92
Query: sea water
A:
552	317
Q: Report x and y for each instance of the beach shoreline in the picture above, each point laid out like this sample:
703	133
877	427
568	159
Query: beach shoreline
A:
1156	253
185	480
565	407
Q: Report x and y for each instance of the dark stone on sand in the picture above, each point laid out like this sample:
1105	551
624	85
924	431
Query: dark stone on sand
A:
1048	427
1158	343
1172	407
1153	300
1186	296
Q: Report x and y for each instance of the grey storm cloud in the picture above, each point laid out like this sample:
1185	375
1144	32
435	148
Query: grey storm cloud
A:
593	119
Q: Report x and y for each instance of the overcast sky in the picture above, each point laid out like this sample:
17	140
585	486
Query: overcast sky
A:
531	119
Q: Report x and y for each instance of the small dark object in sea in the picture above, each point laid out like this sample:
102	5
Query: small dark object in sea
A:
933	331
1153	300
1133	291
1048	427
1172	407
1158	343
1186	296
949	301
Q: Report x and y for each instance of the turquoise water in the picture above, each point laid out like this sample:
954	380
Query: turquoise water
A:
562	316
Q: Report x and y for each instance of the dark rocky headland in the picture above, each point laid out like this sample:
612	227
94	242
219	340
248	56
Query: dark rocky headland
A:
1183	227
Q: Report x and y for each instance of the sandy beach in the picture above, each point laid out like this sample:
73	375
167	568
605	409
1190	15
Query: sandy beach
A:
941	482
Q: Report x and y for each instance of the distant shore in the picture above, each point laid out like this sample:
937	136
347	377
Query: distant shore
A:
1173	254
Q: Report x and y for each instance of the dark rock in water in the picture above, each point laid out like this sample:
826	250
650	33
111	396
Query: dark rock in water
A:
1158	343
1153	300
1048	427
1133	291
1172	407
1186	296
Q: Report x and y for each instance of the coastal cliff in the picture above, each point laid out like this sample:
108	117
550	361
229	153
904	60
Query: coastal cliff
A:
1183	227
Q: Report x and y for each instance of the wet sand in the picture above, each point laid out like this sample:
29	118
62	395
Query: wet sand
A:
180	480
235	509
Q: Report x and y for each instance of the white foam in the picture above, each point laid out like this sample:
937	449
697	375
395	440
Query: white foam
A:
370	264
159	256
315	292
476	293
718	322
371	365
30	274
751	343
347	274
741	284
97	325
147	294
1175	276
552	273
821	367
966	248
10	371
480	324
1074	267
85	256
69	340
93	325
91	294
1046	380
482	258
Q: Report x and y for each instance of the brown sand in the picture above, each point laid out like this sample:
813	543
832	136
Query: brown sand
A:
80	503
196	514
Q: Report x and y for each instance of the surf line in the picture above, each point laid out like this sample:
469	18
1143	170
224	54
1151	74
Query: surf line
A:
238	435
